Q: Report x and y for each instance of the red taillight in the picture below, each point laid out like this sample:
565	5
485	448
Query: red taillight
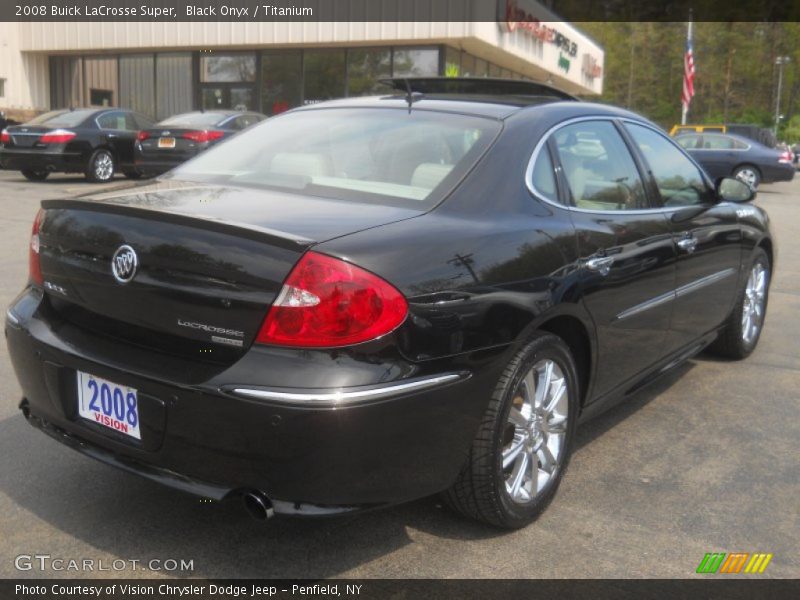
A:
142	135
327	302
5	137
57	136
786	157
203	136
34	267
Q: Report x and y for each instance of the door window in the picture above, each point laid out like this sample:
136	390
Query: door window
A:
598	167
688	141
117	120
717	142
679	181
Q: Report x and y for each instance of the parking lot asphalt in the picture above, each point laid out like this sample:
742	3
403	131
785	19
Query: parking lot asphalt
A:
703	460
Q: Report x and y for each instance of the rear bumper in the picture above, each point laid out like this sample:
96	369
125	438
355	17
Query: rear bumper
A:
782	172
37	160
156	163
367	446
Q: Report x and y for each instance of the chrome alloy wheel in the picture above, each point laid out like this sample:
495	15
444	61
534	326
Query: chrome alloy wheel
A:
536	430
103	166
747	176
753	307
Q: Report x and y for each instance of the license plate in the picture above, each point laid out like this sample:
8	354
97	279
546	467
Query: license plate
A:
109	404
166	142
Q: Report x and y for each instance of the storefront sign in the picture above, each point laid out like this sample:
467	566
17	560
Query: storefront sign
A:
590	66
516	17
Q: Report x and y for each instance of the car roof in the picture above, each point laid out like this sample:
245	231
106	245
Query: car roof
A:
494	107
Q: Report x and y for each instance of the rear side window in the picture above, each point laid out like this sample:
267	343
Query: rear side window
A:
598	167
544	177
679	181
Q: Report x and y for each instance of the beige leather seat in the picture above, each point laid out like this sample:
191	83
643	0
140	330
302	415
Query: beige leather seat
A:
301	163
429	175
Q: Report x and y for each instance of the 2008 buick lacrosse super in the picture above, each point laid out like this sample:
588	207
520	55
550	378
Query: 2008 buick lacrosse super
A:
371	300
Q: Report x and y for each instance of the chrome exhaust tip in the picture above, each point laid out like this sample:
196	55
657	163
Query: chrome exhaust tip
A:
258	505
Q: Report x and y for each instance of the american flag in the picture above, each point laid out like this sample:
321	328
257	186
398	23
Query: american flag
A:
688	73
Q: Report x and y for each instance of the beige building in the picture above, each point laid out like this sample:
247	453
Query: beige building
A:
164	68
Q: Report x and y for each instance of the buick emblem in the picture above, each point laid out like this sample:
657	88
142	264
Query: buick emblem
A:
124	263
165	133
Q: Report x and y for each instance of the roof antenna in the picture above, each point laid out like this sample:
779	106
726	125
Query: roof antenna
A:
411	96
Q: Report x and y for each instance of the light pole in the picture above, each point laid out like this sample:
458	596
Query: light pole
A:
780	61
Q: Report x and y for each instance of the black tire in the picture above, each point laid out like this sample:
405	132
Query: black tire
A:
731	342
94	173
742	173
480	491
132	174
33	175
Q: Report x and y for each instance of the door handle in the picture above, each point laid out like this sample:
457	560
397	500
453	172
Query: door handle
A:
687	244
112	136
600	264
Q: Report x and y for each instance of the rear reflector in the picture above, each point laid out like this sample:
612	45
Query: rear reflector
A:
327	302
34	266
5	137
203	136
57	136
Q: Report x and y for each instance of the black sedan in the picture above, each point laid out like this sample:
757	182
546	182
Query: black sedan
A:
96	142
177	139
368	301
730	155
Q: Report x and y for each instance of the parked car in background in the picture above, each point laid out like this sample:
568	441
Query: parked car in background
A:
731	155
177	139
372	300
796	150
96	142
762	135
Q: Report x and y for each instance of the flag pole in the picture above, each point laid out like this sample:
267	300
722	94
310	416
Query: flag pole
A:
684	103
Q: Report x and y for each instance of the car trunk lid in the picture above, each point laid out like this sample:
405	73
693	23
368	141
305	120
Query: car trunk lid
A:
210	260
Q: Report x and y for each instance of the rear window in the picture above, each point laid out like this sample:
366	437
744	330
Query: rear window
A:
200	120
62	118
351	154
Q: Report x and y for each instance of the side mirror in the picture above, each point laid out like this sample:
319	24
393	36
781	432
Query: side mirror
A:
733	190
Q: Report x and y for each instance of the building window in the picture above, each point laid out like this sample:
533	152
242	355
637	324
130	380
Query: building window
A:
481	68
280	81
365	66
416	62
467	65
222	68
323	75
100	97
2	87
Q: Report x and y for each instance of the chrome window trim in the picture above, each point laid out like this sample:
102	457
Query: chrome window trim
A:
332	399
679	292
639	211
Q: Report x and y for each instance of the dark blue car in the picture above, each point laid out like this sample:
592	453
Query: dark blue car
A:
730	155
